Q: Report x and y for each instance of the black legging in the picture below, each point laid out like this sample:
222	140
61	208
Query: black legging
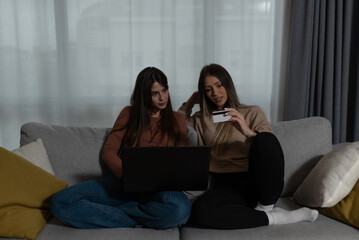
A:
230	203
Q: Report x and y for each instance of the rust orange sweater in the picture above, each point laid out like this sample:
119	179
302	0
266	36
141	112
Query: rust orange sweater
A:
114	140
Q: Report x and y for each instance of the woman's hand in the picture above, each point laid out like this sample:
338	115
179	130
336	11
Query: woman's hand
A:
238	121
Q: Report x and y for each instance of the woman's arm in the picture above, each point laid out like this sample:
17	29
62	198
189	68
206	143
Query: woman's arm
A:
186	108
113	143
110	155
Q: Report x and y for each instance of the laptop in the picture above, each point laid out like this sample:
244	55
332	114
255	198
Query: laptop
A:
178	168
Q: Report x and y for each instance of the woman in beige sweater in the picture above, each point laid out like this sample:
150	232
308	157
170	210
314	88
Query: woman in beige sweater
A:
247	162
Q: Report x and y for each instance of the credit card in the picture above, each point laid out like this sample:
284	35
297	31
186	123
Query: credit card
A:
219	116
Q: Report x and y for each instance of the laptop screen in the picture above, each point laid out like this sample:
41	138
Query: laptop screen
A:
178	168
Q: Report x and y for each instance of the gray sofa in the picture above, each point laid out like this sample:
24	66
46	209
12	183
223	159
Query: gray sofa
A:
74	155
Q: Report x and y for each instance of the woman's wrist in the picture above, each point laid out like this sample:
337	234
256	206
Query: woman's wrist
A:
188	105
185	109
251	135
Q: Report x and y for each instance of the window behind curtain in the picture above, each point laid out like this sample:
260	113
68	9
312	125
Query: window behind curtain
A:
74	63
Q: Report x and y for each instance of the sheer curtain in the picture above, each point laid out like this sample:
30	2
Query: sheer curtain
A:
74	63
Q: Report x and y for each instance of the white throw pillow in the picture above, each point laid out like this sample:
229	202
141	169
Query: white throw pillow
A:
331	179
35	153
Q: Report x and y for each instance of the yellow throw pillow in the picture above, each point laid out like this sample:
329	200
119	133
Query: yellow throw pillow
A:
347	210
26	191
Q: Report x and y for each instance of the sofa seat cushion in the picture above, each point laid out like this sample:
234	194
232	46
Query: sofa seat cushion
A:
55	230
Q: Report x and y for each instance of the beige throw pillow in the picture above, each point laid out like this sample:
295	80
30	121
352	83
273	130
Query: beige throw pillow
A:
331	179
35	153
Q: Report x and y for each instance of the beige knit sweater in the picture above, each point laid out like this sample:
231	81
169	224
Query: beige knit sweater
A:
234	156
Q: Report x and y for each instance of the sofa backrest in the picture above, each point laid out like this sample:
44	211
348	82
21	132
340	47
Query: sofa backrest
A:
74	151
304	142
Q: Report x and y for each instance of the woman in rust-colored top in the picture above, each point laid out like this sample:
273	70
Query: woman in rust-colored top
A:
149	121
247	162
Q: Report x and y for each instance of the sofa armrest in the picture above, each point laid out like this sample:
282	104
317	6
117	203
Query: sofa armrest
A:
340	145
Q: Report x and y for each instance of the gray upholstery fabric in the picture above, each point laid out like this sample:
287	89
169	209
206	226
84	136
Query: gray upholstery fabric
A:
73	151
303	142
191	136
55	230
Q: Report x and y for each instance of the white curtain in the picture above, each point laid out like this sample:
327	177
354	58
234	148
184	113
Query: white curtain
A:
74	63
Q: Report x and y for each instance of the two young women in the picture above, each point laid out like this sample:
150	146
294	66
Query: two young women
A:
247	164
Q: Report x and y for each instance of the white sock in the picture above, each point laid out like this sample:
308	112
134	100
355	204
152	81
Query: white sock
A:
264	208
281	216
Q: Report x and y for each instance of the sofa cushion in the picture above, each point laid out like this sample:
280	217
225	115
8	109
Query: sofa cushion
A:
304	142
55	230
331	179
25	191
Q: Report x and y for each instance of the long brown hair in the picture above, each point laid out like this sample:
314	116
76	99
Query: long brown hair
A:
141	108
223	130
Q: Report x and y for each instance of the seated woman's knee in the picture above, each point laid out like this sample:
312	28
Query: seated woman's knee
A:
57	205
179	209
203	208
265	136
